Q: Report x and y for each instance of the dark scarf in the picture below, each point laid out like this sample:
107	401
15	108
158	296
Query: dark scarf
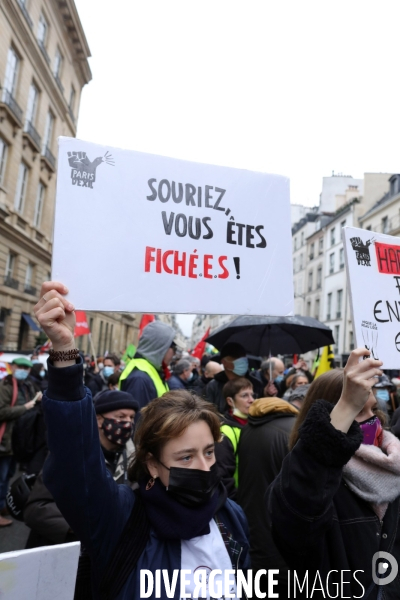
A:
173	521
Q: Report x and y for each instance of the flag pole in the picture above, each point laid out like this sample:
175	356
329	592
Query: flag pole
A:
93	350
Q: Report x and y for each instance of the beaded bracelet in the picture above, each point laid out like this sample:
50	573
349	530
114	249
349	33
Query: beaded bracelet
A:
56	355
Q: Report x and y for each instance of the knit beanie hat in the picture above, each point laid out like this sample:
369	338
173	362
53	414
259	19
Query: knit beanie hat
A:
110	400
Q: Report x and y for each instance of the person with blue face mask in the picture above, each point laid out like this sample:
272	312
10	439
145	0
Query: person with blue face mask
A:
236	364
382	392
111	365
182	375
16	397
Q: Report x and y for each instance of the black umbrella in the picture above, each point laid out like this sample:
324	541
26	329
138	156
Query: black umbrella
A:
269	336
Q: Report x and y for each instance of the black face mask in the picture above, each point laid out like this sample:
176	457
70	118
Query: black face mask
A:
192	487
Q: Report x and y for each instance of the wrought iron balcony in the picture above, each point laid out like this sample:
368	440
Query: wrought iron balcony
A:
28	289
25	13
10	282
60	85
12	107
49	158
33	136
44	51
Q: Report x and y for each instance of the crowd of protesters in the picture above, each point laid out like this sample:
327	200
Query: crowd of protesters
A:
207	461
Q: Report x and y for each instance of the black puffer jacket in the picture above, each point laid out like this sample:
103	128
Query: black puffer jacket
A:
214	389
319	524
263	446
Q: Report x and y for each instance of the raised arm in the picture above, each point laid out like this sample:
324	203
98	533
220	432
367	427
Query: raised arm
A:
95	507
301	499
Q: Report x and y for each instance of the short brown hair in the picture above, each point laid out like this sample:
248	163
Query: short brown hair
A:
327	386
234	386
164	419
114	358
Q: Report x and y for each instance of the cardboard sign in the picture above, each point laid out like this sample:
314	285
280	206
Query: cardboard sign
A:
39	574
143	233
373	271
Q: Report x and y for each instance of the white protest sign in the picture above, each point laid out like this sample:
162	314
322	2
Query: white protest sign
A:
39	574
373	271
144	233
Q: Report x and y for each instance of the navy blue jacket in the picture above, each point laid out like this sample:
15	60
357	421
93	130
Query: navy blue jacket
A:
176	383
95	507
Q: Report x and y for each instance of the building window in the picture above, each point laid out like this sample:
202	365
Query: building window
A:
72	98
301	262
48	132
368	228
21	187
321	246
310	278
312	251
333	236
105	339
302	238
339	299
110	341
309	308
343	223
294	264
43	29
39	205
336	338
319	278
341	258
317	308
385	225
295	243
32	106
393	186
328	306
351	341
11	258
58	59
331	263
29	277
10	79
3	158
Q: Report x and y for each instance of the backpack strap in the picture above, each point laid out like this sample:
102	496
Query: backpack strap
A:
127	552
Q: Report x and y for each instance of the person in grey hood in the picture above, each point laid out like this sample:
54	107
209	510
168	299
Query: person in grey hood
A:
145	375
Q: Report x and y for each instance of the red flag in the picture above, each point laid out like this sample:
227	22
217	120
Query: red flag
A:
201	346
146	319
46	347
81	327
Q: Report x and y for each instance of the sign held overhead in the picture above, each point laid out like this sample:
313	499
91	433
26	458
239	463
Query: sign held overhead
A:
373	271
167	235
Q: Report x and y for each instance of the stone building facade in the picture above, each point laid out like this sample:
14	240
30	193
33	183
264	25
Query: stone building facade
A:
43	68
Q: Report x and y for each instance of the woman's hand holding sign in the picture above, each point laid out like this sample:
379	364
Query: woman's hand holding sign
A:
359	378
56	317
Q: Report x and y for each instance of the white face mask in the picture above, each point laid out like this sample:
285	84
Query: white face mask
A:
100	366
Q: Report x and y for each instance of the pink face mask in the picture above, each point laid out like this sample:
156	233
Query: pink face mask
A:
372	431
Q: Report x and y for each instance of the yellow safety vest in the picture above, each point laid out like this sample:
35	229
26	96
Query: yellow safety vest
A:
233	435
144	365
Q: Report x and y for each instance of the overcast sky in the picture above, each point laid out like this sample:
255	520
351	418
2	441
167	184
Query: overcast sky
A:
288	87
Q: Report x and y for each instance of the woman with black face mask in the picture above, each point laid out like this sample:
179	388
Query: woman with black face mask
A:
177	519
335	506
